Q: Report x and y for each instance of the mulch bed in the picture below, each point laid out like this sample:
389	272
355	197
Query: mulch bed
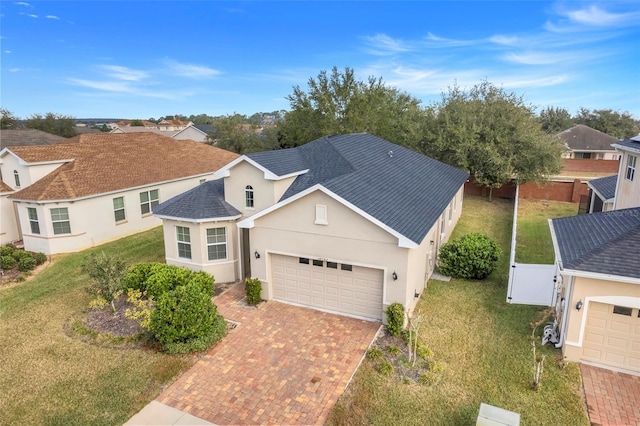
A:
399	358
114	323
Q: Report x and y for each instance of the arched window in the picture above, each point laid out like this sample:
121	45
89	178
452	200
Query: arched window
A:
16	176
248	196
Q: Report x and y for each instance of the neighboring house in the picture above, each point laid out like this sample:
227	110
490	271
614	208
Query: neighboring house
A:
599	309
602	194
191	132
27	137
188	133
98	187
346	224
628	185
584	142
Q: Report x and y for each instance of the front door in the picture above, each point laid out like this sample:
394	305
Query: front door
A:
246	254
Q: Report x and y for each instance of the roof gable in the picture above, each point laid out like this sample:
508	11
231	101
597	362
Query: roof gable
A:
581	137
603	243
204	202
605	187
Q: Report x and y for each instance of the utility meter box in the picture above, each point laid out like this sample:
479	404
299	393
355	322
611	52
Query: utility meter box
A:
495	416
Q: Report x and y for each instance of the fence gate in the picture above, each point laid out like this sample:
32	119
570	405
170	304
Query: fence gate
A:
532	284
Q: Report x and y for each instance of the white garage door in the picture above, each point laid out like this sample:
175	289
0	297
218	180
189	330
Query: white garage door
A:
331	286
612	336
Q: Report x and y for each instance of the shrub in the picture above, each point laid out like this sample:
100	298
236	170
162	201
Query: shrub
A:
185	320
164	278
7	250
141	307
395	318
474	256
40	258
26	263
393	349
374	353
136	276
385	368
253	289
8	262
106	272
428	379
20	254
424	351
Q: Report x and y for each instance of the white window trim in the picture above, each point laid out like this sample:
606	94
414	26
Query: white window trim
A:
115	210
631	168
225	244
53	221
321	215
32	221
149	202
248	191
187	243
16	178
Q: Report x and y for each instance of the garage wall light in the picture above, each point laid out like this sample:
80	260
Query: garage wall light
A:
394	275
579	305
256	254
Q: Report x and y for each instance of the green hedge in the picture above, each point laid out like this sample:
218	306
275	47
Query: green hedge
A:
474	256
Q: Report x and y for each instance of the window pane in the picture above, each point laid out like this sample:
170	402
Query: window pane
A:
154	194
145	208
35	227
144	197
119	215
59	214
184	250
217	252
216	235
182	233
118	203
332	265
303	260
346	267
33	213
621	310
61	228
318	263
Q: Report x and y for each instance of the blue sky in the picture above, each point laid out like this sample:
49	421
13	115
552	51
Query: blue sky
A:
143	59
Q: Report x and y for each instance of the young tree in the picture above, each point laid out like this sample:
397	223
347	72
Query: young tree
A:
555	120
614	123
234	133
56	124
107	273
8	120
491	133
338	103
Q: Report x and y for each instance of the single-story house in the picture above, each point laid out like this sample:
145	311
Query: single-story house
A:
346	224
598	311
602	194
24	136
583	142
94	188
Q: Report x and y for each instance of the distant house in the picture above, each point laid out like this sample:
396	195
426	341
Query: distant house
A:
97	187
190	132
583	142
27	137
599	271
346	224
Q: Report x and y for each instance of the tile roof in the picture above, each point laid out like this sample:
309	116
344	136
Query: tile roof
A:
4	187
403	189
27	137
632	144
100	163
605	242
605	187
205	201
581	138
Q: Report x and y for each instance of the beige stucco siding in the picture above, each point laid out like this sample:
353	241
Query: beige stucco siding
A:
28	174
628	192
222	270
92	220
8	225
241	175
590	290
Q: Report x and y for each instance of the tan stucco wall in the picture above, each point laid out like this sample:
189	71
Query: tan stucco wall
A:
8	225
92	220
628	192
28	173
588	290
222	270
241	175
191	133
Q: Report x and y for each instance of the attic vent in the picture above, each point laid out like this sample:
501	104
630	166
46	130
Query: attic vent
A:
390	153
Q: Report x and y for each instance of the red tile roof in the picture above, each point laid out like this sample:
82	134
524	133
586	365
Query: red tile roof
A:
100	163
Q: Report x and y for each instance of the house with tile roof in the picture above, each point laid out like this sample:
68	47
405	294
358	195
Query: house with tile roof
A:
347	224
598	312
583	142
95	188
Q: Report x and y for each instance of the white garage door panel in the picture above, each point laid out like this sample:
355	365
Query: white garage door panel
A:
356	292
612	339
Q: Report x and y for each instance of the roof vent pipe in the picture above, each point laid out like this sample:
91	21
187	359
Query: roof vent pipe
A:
390	153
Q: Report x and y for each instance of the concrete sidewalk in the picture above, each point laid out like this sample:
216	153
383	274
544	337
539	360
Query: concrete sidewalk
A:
156	413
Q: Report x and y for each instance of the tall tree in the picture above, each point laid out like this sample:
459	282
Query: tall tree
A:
234	133
57	124
8	120
615	123
492	133
555	120
338	103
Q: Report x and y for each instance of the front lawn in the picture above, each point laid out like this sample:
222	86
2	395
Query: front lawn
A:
533	237
483	344
49	377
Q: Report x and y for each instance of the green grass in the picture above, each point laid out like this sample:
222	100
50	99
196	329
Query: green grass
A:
50	378
483	345
533	239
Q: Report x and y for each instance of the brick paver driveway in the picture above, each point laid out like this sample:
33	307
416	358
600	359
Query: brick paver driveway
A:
612	398
281	365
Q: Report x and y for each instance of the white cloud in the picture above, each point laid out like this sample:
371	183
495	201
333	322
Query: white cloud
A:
22	3
124	87
505	40
52	17
382	44
595	16
519	83
433	40
14	69
7	51
191	70
31	15
124	73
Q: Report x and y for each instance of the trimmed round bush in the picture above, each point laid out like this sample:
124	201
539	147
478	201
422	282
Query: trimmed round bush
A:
474	257
164	278
7	250
26	263
395	318
19	254
40	258
136	276
253	290
8	262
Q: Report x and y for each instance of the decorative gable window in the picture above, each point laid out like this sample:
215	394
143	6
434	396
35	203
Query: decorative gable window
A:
321	215
216	243
118	209
183	237
60	221
631	167
16	177
33	220
148	200
248	196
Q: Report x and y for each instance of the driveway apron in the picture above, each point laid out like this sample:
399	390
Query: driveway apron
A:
282	364
612	398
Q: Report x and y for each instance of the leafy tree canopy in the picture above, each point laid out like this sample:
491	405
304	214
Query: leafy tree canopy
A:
491	133
57	124
555	120
338	103
615	123
8	120
234	133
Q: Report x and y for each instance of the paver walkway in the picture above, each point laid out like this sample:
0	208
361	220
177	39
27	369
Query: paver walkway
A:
281	365
612	398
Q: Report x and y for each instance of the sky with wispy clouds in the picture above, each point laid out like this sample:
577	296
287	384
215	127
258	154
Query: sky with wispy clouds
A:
143	59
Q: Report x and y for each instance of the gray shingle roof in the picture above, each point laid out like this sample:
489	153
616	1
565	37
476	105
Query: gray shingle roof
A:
27	137
403	189
584	138
605	243
205	201
632	144
605	187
